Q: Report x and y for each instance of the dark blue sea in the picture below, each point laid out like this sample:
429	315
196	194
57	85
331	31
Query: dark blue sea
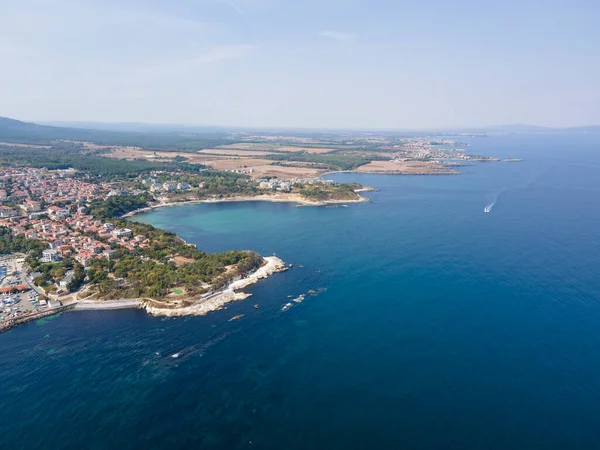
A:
434	325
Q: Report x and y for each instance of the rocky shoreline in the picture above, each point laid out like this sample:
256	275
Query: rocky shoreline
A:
200	308
220	299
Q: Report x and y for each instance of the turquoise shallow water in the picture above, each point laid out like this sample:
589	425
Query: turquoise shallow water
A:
436	325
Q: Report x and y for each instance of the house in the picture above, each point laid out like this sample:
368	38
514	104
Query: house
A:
85	260
122	232
31	206
109	254
66	280
265	185
58	212
5	212
64	250
169	186
94	248
55	244
50	256
53	303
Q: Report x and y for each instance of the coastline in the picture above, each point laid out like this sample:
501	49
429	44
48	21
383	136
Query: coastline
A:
96	305
392	172
202	307
275	198
218	300
9	324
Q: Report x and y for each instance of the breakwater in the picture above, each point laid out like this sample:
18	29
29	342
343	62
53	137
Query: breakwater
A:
7	324
87	305
82	305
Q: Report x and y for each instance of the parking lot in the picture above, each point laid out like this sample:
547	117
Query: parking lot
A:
16	295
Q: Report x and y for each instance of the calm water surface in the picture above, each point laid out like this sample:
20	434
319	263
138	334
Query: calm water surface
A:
435	325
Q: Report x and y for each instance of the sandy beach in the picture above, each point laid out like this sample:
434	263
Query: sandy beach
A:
278	198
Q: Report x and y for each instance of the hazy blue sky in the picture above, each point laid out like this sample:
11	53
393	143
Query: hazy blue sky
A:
305	63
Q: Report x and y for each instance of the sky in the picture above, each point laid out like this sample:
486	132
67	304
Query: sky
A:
387	64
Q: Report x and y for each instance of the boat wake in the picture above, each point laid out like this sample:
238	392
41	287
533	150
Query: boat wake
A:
531	181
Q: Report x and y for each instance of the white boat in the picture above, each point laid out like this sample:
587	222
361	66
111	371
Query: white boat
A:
175	355
286	306
489	207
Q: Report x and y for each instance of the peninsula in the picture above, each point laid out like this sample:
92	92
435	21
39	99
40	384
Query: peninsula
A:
66	196
67	243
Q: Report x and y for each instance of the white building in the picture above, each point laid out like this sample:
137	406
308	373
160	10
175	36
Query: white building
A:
122	232
66	280
49	256
169	186
58	212
7	212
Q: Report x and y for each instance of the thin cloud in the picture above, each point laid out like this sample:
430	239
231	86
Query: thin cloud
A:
191	63
234	6
223	52
337	35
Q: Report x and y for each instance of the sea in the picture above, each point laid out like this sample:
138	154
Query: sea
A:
427	323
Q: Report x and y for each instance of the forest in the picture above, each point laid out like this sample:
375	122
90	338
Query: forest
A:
343	191
30	133
65	156
131	276
118	205
10	243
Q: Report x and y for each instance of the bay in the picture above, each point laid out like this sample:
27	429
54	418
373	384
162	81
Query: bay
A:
432	324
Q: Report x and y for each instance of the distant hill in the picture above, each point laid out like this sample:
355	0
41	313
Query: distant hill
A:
16	131
138	127
12	130
587	129
184	138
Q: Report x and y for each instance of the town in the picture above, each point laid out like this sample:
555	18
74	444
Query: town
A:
55	208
